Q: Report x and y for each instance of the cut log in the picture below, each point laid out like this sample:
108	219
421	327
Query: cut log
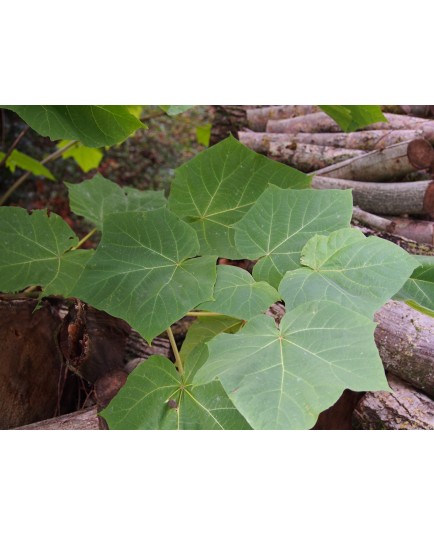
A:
420	154
368	140
373	221
385	198
257	117
376	166
86	419
321	122
309	158
405	341
404	409
417	110
418	230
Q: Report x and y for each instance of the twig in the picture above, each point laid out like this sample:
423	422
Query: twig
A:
14	144
26	175
175	351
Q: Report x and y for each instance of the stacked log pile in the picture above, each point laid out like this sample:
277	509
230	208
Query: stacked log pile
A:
389	168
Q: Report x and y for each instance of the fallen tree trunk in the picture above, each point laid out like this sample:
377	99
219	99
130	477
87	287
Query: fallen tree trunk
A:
309	158
376	166
417	110
405	341
403	409
418	230
86	419
257	117
368	140
321	122
373	221
385	198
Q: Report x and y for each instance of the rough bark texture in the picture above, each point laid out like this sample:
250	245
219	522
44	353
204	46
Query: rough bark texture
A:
369	140
385	198
405	340
86	419
316	122
309	158
405	408
257	117
390	163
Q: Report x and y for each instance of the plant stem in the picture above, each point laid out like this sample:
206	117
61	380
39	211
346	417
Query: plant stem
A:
26	175
84	239
202	313
14	144
178	361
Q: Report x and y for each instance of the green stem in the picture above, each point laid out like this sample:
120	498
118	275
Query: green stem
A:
14	144
84	239
26	175
178	361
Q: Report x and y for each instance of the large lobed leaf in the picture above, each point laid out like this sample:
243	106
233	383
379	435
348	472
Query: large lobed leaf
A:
96	198
35	251
144	271
94	126
157	397
215	189
282	378
348	268
278	226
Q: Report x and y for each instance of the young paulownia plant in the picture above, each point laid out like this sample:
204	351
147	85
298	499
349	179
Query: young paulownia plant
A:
238	368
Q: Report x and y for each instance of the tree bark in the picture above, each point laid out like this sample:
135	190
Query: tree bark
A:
86	419
404	409
417	110
385	198
390	163
309	158
257	117
368	140
227	120
405	341
418	230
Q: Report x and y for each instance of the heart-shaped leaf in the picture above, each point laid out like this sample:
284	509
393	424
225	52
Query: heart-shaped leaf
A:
35	251
348	268
94	126
238	295
217	187
94	199
280	223
157	397
282	378
144	271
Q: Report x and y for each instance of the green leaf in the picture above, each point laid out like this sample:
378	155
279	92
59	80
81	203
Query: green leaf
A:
87	158
136	110
35	251
176	109
351	117
238	295
203	134
156	397
23	161
93	126
216	188
94	199
418	291
347	268
144	271
278	226
282	378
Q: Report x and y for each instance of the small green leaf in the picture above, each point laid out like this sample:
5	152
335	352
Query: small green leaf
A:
136	110
282	378
35	251
94	199
26	162
351	117
176	109
278	226
93	126
144	271
347	268
216	188
238	295
87	158
418	291
203	134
